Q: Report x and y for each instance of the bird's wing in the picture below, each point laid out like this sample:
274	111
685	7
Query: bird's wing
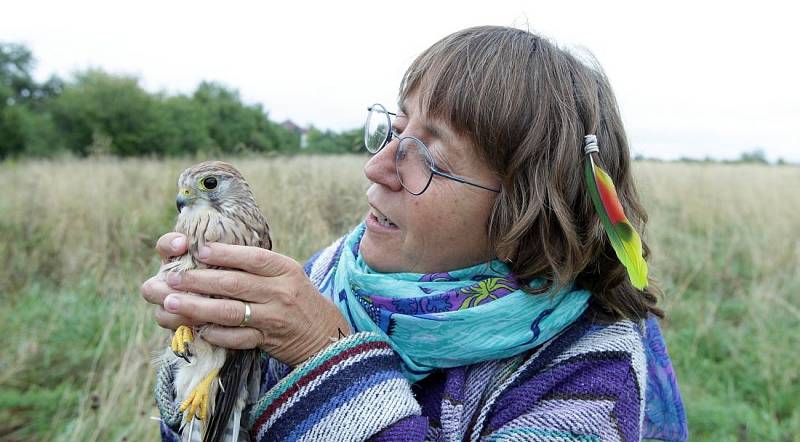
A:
257	224
247	227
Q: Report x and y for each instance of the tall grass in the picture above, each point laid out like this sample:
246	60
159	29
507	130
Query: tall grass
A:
77	237
727	250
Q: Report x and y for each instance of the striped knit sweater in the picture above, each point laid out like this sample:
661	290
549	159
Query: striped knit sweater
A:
589	383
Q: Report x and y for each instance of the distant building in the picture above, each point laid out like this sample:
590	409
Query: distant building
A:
295	129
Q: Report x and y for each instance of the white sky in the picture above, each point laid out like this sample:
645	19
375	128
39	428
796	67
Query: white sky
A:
692	78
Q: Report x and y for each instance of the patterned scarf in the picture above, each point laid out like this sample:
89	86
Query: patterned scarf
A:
441	320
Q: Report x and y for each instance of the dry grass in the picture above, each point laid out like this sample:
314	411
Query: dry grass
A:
77	237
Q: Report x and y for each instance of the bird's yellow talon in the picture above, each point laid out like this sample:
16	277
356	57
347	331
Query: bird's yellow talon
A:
197	403
180	342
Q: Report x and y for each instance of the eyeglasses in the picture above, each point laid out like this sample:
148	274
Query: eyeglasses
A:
413	161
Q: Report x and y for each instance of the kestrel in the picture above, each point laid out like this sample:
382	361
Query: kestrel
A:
215	204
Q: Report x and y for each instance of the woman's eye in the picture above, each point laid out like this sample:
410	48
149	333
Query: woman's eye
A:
209	182
439	159
440	168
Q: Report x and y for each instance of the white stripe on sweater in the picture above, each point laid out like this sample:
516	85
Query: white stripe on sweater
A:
309	387
594	417
365	415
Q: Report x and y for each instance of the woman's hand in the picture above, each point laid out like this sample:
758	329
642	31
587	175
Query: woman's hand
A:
290	320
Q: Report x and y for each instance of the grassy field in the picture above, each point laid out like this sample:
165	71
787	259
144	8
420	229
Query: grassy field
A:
77	237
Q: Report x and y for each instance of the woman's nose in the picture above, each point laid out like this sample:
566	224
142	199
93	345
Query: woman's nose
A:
381	167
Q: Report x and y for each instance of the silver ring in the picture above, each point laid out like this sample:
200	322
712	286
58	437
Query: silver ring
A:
247	315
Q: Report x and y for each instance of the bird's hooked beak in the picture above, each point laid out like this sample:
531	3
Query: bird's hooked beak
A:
184	196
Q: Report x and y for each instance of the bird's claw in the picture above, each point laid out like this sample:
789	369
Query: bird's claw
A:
180	342
198	401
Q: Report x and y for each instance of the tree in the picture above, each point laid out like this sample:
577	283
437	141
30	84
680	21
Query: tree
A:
94	111
187	128
331	142
16	84
12	139
99	105
16	67
233	125
755	156
16	64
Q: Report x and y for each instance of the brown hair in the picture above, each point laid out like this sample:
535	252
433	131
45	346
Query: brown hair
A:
526	105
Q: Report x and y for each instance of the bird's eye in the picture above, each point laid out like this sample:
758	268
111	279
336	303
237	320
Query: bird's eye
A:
209	183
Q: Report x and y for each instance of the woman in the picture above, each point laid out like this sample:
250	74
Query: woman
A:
481	297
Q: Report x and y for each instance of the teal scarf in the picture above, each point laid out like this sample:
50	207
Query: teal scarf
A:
441	320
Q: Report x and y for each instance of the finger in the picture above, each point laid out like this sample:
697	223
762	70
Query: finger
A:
228	283
250	259
201	309
238	338
172	321
155	289
171	244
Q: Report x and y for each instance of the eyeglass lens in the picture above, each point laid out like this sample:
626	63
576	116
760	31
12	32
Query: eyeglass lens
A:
376	130
413	165
412	162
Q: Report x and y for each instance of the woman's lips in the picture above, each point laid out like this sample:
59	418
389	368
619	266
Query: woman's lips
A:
373	223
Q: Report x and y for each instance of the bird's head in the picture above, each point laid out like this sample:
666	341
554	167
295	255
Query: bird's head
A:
212	185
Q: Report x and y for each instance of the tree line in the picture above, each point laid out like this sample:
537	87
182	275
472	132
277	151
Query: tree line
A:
95	112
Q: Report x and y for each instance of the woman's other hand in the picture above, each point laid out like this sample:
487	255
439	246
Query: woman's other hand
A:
290	320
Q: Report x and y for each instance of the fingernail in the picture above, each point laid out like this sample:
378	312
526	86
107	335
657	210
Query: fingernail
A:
178	243
204	252
172	303
173	278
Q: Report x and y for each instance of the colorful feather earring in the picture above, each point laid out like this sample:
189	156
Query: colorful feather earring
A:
624	239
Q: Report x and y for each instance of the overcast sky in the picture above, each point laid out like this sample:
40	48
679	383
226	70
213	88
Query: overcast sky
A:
692	78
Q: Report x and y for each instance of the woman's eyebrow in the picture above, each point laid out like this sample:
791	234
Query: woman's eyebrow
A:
435	132
431	129
403	109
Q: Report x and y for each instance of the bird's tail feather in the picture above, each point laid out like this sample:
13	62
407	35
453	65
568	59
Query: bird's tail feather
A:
233	385
187	431
237	421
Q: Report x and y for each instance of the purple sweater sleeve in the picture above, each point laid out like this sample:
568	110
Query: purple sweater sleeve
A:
354	389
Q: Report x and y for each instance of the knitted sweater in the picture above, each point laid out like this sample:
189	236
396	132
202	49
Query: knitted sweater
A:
591	382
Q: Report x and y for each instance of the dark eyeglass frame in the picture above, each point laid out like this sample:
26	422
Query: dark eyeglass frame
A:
424	149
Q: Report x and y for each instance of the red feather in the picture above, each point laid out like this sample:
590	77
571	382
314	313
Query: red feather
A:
610	200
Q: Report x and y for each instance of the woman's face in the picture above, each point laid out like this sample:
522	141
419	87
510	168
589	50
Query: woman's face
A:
443	229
